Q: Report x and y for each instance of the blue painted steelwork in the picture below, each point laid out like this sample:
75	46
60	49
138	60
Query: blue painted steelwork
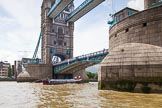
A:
36	49
80	8
52	50
54	7
129	12
111	23
93	58
57	5
31	61
156	4
68	52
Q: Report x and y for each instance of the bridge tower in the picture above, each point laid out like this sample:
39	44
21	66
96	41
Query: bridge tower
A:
57	34
148	3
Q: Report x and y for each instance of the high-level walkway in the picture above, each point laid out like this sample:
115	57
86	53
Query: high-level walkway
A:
80	11
58	7
83	9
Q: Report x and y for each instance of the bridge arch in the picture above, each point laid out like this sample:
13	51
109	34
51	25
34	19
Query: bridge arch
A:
58	58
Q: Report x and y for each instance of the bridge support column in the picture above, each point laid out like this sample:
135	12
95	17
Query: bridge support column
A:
39	71
128	68
82	74
102	76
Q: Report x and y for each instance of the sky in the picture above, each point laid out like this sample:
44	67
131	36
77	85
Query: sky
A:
20	27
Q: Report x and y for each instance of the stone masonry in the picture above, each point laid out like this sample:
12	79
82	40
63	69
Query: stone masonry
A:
135	60
57	39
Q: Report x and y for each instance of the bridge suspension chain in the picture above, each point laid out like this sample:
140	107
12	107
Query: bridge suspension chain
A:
37	47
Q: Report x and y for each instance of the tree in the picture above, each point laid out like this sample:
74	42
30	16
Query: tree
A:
91	75
9	71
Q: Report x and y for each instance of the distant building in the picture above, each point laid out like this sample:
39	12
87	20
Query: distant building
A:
17	68
4	69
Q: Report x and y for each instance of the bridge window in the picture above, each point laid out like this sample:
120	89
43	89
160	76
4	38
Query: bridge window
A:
144	24
126	30
60	42
121	16
65	43
53	20
52	50
67	32
68	52
54	42
129	12
53	30
62	15
115	35
60	31
67	9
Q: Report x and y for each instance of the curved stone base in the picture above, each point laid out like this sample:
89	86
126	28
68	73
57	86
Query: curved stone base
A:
27	79
132	67
132	86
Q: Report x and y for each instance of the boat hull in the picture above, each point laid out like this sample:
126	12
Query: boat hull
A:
60	81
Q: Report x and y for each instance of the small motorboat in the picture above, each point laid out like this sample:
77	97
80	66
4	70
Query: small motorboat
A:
60	81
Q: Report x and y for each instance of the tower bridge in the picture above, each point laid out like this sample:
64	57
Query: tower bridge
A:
134	63
56	38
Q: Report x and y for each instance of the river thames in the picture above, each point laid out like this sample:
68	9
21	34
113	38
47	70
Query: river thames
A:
36	95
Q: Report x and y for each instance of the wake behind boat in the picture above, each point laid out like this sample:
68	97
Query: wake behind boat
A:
60	81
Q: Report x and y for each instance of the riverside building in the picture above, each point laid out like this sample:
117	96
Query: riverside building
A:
4	66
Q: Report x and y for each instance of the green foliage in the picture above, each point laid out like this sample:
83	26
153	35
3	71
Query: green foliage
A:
9	71
92	75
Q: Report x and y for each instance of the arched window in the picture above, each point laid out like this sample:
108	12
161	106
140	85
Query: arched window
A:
54	42
60	31
65	43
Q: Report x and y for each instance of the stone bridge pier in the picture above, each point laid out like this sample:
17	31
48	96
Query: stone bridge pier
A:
134	63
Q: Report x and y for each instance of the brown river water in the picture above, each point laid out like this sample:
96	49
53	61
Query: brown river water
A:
36	95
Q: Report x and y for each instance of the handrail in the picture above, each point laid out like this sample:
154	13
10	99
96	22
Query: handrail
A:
104	51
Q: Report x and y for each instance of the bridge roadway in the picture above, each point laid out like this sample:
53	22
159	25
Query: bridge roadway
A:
80	11
73	65
58	7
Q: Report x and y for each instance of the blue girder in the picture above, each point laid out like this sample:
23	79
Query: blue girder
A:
88	58
91	3
37	47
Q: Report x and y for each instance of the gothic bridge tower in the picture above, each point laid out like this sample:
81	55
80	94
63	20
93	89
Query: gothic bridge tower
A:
57	34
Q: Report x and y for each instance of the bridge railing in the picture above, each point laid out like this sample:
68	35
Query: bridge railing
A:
105	51
78	58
